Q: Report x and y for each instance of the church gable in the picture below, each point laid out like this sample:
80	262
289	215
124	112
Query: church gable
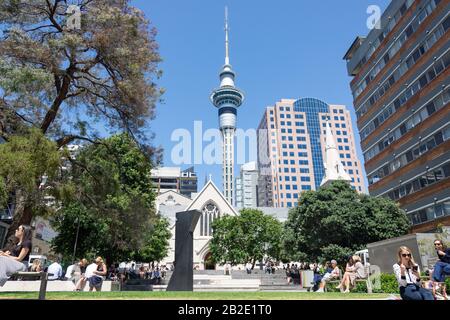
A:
172	198
210	194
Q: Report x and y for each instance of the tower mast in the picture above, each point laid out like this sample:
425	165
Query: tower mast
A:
227	99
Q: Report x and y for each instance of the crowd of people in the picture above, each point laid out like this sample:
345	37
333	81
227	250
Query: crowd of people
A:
411	284
406	270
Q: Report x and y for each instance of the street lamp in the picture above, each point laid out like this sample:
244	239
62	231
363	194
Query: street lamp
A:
76	240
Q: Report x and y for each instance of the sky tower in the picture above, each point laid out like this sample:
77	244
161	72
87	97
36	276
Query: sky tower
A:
227	98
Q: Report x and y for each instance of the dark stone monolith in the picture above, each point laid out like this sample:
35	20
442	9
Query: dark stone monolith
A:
183	275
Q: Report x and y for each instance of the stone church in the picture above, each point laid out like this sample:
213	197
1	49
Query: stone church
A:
211	203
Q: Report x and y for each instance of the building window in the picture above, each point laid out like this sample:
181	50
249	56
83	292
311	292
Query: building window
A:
209	213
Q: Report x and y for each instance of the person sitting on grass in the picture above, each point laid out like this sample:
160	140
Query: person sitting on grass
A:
17	259
408	277
330	275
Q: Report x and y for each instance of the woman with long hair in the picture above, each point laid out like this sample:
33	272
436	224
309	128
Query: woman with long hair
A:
36	266
408	277
95	277
349	268
16	259
353	272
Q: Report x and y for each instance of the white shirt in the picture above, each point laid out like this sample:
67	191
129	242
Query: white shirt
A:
409	275
56	269
69	272
248	266
90	270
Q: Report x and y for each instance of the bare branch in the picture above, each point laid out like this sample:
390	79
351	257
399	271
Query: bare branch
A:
61	142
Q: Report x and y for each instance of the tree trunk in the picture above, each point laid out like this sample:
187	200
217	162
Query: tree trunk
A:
22	215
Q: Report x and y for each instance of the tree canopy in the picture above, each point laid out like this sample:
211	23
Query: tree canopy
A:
336	221
68	82
250	236
26	161
156	243
108	193
62	79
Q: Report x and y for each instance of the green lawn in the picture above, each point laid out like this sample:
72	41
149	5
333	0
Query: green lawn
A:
193	296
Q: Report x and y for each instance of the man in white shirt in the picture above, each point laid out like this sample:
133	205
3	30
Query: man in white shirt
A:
90	270
55	269
69	272
248	267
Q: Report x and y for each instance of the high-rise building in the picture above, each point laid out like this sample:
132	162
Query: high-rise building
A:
291	149
175	179
188	182
227	98
401	96
247	186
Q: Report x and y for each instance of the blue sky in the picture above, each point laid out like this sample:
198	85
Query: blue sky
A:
279	49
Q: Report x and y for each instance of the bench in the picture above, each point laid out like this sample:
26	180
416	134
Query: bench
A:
370	275
43	277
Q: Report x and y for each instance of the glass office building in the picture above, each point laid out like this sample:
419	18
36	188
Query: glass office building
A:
291	149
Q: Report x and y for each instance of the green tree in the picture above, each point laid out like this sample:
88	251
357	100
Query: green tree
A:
81	234
65	81
250	236
156	242
335	221
111	186
25	160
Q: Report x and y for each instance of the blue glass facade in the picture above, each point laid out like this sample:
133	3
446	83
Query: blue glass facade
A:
311	107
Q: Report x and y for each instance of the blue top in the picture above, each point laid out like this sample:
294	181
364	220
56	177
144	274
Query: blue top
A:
446	257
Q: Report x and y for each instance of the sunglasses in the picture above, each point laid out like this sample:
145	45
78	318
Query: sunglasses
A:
438	244
406	255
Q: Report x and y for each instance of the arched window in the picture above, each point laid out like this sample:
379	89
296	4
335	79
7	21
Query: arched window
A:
209	213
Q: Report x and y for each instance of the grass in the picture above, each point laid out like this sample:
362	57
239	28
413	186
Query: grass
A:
140	295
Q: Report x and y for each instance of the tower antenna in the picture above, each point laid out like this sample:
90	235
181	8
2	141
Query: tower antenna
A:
227	56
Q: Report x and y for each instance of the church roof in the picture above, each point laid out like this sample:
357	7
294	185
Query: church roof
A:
220	200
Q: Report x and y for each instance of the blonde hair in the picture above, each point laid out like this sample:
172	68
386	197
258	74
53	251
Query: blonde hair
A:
36	265
356	259
399	254
98	259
